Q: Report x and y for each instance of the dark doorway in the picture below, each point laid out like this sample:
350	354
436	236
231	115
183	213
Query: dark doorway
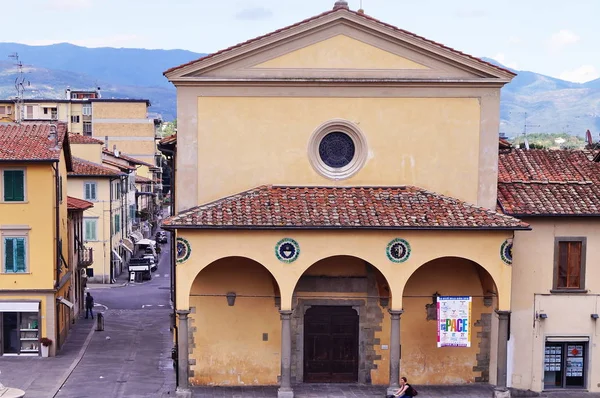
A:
331	345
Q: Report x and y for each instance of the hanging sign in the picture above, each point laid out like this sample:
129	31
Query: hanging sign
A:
454	321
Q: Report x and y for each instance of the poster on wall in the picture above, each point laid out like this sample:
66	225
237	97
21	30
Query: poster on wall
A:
454	321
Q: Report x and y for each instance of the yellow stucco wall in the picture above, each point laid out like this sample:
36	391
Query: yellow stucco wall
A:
341	52
568	315
89	152
36	213
119	110
142	129
267	142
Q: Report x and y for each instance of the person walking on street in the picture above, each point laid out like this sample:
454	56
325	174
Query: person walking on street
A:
89	305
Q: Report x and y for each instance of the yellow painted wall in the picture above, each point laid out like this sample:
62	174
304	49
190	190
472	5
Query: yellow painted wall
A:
341	52
89	152
229	349
119	110
144	129
37	213
568	315
267	141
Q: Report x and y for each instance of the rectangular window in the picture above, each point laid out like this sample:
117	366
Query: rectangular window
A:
565	364
75	119
117	223
90	189
87	110
54	113
45	111
29	111
90	227
132	211
569	263
14	186
2	110
87	128
15	256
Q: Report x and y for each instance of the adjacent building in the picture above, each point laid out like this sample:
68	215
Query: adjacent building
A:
125	123
555	301
36	295
336	193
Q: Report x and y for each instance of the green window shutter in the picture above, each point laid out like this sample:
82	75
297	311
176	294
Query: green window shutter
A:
20	256
14	185
87	191
9	255
88	231
8	186
93	190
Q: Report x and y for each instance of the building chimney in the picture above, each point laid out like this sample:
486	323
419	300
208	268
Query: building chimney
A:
339	4
98	95
68	93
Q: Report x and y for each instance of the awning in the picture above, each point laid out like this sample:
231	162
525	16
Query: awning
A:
146	242
125	246
136	236
117	255
19	306
568	339
65	302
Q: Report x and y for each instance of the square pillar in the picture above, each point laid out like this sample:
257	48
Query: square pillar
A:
501	367
183	355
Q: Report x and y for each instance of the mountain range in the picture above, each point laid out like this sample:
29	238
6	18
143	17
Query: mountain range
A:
532	102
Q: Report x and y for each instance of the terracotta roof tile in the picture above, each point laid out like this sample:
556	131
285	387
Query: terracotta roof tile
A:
127	158
83	168
172	139
283	207
30	142
142	180
548	183
120	166
78	204
341	10
83	139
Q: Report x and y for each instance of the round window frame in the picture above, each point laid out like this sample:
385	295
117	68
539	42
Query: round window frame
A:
360	149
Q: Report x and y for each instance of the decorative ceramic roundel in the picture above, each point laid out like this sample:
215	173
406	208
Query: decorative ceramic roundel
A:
506	251
287	250
183	250
398	250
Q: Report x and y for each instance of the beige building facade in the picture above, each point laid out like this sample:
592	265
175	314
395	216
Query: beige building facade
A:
336	183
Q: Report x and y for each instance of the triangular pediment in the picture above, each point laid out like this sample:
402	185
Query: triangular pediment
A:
339	44
341	52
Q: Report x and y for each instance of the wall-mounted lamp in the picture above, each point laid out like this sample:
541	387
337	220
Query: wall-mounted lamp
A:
594	316
231	298
542	316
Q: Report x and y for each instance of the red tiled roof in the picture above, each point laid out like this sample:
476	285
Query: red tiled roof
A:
118	165
281	207
540	182
83	168
83	139
172	139
142	180
127	158
30	142
344	10
78	204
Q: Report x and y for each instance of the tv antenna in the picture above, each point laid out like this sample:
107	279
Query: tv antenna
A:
525	127
20	84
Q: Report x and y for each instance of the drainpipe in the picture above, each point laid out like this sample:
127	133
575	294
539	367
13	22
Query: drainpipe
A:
58	249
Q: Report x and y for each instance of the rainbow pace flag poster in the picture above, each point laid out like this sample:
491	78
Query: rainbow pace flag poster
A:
454	321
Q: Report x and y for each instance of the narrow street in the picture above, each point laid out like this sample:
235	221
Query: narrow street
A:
132	356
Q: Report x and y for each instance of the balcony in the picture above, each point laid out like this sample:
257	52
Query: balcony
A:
85	257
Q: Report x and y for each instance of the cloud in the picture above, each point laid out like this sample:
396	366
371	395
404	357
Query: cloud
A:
254	14
92	42
583	74
68	4
500	57
562	39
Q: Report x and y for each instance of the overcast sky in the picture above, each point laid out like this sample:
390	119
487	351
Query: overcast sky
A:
555	37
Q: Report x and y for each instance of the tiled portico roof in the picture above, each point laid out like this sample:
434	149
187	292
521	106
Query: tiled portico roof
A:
286	207
540	182
78	204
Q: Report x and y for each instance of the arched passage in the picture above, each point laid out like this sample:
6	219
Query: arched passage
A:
422	359
340	322
235	324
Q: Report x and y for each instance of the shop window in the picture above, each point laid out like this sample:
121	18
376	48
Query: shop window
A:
569	264
565	365
20	331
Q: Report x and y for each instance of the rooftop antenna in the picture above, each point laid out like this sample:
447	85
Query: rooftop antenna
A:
525	126
20	84
361	10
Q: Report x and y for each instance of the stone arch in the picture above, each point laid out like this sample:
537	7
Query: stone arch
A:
344	281
447	276
234	323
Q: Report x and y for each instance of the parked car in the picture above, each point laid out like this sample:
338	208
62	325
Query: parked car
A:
161	237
